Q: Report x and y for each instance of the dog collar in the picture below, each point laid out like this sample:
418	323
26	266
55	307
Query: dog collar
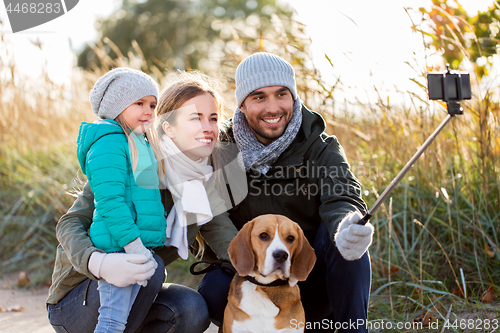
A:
275	283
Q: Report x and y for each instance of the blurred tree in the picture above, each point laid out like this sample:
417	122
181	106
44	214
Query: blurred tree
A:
458	35
449	21
176	33
486	28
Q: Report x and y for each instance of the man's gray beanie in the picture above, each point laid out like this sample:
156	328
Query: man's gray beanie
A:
118	89
263	70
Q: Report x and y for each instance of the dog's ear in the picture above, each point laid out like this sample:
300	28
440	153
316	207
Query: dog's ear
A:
240	250
303	260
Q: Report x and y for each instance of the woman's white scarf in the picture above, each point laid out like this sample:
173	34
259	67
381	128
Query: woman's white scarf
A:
184	179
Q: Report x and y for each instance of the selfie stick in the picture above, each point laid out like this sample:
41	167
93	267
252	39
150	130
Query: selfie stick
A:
453	108
403	172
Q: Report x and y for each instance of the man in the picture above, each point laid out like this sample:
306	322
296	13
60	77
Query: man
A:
294	169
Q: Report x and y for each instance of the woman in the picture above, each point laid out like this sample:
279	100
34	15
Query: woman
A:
73	298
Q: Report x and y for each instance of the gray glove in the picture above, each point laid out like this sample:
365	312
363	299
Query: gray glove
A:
137	247
353	239
121	269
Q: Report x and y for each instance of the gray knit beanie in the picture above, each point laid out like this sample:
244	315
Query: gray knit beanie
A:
118	89
263	70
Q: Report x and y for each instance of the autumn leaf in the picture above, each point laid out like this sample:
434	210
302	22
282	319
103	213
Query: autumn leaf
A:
459	291
22	279
489	295
425	318
15	308
489	251
391	270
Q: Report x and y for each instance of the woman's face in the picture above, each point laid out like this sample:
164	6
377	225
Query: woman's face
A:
195	129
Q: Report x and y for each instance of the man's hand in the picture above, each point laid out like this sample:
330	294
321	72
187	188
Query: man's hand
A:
353	239
121	269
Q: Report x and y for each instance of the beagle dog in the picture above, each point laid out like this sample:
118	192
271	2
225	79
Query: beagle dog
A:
270	255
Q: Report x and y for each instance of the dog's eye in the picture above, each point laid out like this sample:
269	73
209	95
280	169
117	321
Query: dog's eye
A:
264	236
290	239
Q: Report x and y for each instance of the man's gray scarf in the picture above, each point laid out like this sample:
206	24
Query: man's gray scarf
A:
257	155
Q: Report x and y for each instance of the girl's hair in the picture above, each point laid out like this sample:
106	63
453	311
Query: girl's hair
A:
181	87
152	138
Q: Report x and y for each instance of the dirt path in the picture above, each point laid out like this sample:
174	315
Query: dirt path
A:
33	316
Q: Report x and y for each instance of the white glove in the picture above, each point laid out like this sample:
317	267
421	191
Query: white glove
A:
121	269
137	247
353	239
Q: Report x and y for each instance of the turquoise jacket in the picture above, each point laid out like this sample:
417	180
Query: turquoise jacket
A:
127	204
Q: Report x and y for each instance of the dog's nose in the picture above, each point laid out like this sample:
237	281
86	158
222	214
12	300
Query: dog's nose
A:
280	256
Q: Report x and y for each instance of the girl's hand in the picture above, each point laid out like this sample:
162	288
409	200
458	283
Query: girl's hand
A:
137	247
121	269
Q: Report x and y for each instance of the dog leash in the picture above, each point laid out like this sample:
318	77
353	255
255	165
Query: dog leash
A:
224	265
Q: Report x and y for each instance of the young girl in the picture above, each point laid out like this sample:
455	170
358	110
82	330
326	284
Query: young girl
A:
119	156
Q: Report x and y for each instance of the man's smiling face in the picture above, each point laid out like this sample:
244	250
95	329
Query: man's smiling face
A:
268	111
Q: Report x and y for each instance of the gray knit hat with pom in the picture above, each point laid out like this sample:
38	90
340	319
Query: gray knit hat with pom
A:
263	70
118	89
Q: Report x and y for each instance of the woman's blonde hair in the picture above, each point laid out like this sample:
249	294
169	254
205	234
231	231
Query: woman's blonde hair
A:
181	87
152	138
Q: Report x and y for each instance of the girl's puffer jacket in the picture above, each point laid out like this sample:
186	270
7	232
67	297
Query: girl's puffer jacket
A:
127	204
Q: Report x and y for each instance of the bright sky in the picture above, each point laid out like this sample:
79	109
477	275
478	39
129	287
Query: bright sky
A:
57	37
351	33
368	41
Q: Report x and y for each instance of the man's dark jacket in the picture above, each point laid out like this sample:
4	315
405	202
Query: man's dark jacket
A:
310	182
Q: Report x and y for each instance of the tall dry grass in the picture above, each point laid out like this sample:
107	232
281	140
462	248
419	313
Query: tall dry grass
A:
38	126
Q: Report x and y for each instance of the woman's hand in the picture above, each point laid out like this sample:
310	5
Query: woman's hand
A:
121	269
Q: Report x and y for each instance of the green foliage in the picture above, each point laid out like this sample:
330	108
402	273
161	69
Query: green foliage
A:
456	34
177	34
450	24
487	31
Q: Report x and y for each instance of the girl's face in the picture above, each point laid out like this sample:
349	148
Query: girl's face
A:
141	114
195	129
